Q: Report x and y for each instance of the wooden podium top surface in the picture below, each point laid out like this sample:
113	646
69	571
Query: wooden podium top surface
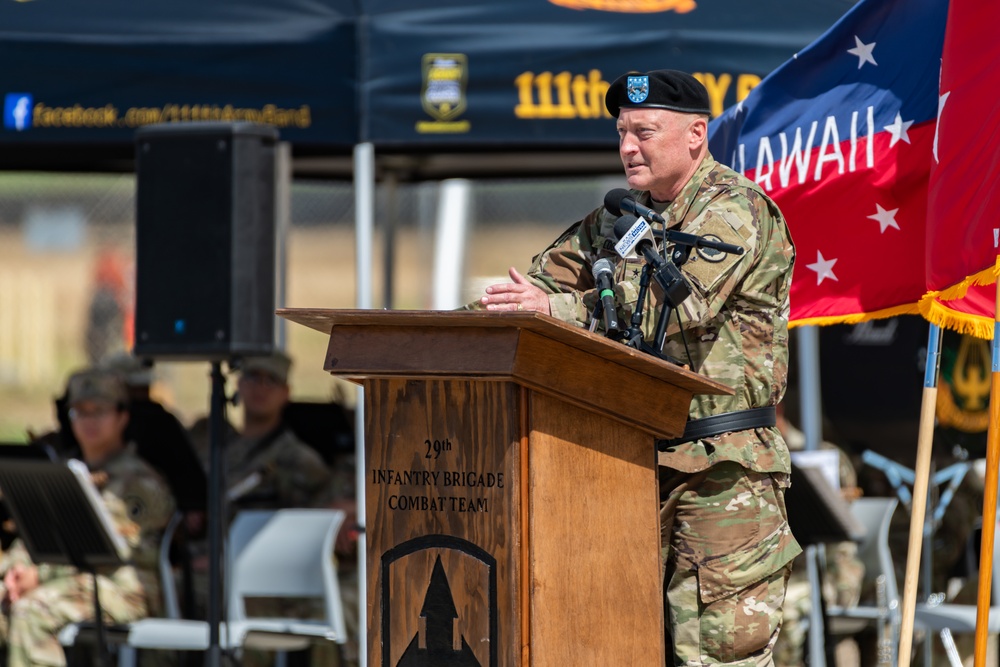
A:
325	320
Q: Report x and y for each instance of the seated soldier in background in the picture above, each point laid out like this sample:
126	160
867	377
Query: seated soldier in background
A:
163	441
39	600
269	467
158	435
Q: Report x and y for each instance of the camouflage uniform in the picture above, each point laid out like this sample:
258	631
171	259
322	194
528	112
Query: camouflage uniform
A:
727	545
140	505
277	471
273	472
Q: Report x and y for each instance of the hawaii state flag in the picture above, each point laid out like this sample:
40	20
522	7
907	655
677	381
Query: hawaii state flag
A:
842	138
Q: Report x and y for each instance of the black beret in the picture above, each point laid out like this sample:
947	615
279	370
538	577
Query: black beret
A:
659	89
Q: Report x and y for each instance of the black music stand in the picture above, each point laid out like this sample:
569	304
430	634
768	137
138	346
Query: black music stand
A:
32	451
816	512
63	521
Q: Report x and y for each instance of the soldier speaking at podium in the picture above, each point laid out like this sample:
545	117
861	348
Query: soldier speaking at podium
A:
726	545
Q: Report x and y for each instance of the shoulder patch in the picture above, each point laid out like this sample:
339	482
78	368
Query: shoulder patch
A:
707	265
711	254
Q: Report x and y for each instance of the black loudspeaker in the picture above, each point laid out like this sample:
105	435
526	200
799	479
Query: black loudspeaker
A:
205	240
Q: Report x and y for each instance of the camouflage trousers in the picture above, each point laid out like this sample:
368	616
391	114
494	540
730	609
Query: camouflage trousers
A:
29	630
727	554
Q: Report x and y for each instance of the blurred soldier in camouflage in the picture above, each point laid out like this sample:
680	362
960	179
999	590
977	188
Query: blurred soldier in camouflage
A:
727	547
38	600
269	467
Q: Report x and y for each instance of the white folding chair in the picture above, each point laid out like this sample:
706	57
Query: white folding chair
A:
167	584
272	554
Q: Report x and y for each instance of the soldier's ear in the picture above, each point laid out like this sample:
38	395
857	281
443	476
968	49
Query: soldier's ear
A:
122	417
697	132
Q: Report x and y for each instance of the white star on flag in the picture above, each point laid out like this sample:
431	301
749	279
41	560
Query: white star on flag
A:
885	218
823	268
898	130
942	99
863	52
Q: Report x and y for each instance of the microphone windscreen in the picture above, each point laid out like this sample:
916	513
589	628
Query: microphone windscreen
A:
613	200
603	266
623	224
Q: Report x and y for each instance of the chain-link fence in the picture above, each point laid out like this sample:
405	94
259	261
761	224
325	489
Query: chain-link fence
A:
67	266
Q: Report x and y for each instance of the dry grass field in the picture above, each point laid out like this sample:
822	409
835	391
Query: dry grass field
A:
44	298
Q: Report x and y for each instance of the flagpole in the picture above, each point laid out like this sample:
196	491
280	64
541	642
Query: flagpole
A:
989	498
921	473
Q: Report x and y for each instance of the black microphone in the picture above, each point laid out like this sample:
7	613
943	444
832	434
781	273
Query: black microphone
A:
603	273
696	241
620	199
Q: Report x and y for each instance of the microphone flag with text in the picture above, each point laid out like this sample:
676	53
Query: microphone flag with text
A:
632	234
636	237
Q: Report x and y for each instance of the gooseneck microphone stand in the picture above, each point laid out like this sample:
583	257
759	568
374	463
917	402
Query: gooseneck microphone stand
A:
632	337
675	290
684	243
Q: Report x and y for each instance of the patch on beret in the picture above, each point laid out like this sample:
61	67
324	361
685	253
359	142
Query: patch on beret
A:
660	89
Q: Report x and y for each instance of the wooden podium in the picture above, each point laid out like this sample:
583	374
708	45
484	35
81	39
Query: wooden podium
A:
511	494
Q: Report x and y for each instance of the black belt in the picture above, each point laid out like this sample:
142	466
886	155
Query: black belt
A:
727	422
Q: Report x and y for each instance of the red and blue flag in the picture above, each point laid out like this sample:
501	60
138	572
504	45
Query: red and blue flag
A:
963	223
844	136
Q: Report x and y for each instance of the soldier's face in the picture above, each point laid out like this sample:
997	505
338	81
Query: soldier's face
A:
660	149
263	395
98	426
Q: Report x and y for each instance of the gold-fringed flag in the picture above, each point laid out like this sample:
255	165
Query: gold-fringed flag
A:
963	209
890	213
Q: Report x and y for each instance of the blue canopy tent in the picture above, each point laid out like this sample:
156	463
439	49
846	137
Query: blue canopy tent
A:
441	87
427	90
79	77
530	74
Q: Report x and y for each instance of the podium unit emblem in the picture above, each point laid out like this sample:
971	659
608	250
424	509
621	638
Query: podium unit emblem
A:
434	611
